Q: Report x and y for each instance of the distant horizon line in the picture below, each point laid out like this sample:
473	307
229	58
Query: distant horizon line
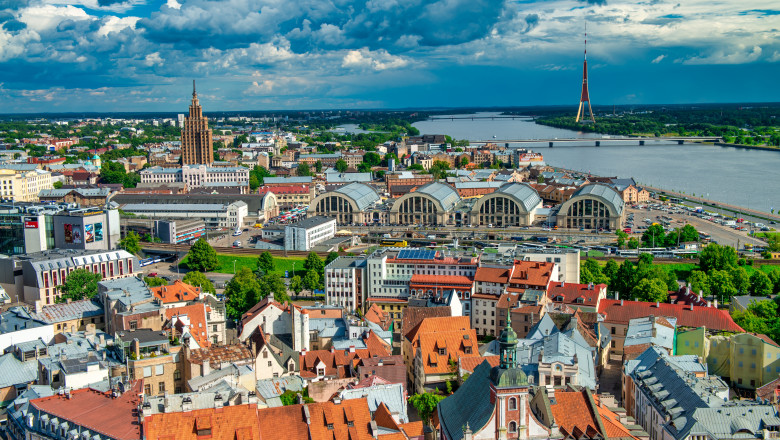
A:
601	107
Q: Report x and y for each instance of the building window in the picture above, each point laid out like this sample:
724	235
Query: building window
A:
161	387
148	389
512	404
176	375
512	427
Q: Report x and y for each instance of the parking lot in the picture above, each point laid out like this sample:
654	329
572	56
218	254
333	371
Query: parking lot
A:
721	234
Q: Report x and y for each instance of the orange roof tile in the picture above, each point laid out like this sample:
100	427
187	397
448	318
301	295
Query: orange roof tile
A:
379	317
573	413
492	275
99	412
455	280
611	422
176	292
470	363
453	335
225	423
339	363
568	293
290	417
218	354
348	420
196	313
621	311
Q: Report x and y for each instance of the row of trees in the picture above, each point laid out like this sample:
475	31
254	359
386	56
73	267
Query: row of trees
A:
641	281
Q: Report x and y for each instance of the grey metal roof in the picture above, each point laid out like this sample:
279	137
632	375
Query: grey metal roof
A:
68	311
15	372
84	192
18	318
177	207
523	193
311	222
641	331
441	192
270	389
470	404
363	195
287	180
602	191
348	177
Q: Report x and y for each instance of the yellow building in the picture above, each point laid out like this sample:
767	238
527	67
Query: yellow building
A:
22	185
746	360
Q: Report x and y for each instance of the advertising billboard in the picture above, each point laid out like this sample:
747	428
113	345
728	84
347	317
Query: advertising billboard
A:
72	233
98	232
31	223
89	234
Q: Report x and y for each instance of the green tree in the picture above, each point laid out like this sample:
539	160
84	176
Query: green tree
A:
654	236
79	284
652	290
318	166
681	235
626	278
303	170
540	179
202	257
700	282
195	278
760	284
131	243
265	262
155	281
610	271
296	284
242	293
272	284
773	242
721	285
621	238
415	166
341	165
312	280
774	277
717	257
740	279
464	161
254	183
425	404
331	257
439	169
590	272
57	185
633	243
314	262
372	159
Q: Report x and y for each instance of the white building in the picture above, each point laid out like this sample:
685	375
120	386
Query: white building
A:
344	282
196	176
18	326
215	215
305	234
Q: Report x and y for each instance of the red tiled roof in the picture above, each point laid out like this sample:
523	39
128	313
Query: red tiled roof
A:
348	420
452	335
96	411
470	363
176	292
290	417
284	189
532	273
412	316
571	292
574	414
441	280
620	311
339	363
611	422
492	275
237	422
196	313
379	317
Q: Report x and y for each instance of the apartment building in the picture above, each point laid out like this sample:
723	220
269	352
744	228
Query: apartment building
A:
23	182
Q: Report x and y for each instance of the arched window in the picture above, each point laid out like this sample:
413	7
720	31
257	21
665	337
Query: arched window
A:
512	404
512	427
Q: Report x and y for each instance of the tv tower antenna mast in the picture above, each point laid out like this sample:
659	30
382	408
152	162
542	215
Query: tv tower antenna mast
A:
585	96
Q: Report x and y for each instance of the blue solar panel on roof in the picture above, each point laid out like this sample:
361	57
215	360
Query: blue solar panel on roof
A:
416	254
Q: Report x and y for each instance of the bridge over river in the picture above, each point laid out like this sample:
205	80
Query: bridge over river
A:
628	140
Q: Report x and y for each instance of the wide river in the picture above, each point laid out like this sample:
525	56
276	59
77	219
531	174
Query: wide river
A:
749	178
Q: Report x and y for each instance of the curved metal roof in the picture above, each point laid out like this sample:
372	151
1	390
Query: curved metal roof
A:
526	195
362	194
604	192
443	193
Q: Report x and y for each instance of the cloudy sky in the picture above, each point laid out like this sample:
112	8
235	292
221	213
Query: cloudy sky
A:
141	55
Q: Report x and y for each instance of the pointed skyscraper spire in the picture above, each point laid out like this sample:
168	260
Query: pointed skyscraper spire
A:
194	93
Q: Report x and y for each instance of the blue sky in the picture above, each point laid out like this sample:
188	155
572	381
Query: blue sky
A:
141	55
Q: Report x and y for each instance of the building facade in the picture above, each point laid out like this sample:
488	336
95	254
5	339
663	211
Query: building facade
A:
196	142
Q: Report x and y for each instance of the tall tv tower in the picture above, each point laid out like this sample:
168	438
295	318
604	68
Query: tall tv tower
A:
585	97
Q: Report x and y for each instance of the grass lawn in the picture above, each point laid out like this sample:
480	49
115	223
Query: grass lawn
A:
281	264
592	253
765	234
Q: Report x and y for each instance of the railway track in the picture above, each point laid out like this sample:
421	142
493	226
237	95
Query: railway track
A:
227	250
